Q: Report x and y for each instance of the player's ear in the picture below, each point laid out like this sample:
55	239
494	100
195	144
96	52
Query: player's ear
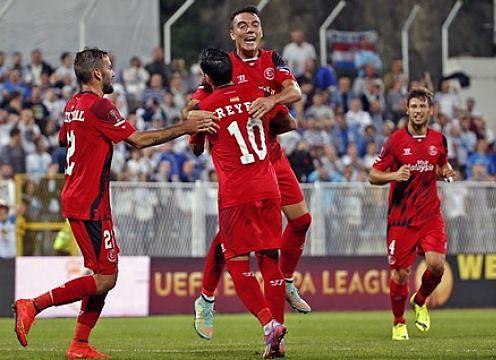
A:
97	74
231	34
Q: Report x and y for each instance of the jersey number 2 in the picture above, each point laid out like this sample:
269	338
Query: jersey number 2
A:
246	157
71	148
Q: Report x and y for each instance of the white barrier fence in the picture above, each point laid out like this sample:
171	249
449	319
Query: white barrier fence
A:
180	219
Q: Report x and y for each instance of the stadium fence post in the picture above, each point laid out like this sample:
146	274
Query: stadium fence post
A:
322	31
404	40
167	29
82	23
444	35
317	232
198	220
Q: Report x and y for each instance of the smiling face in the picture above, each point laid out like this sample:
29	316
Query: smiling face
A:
246	31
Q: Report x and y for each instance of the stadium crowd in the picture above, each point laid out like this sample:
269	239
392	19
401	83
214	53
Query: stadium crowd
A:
342	120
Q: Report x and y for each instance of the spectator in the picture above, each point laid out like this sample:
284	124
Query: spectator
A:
319	109
13	154
373	93
482	161
369	75
326	78
17	63
301	162
366	55
29	130
5	127
170	108
37	67
54	105
3	67
156	89
40	111
395	100
14	83
188	172
39	161
8	243
65	70
448	100
178	90
394	75
157	66
370	155
314	134
298	52
356	117
135	79
341	98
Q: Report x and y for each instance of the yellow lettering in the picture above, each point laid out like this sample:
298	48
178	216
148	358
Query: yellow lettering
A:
228	285
195	282
470	266
371	282
327	289
161	289
307	284
341	277
490	267
355	284
297	278
180	284
385	276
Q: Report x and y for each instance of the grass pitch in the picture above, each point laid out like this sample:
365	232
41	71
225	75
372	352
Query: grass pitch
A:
455	334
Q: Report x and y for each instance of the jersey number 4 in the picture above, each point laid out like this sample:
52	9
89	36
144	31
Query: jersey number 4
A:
246	157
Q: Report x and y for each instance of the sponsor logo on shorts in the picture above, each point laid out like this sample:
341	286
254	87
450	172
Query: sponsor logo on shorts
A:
248	274
112	256
277	282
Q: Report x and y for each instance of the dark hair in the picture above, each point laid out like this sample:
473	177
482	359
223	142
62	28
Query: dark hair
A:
247	9
14	132
64	55
217	65
420	93
86	61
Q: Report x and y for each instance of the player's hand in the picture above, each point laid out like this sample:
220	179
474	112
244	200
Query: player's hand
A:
201	121
448	173
261	106
403	173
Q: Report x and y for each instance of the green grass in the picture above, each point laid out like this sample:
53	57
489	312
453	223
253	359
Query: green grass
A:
455	334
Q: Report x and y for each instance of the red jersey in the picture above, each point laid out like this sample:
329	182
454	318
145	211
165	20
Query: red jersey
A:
413	202
91	125
267	71
239	149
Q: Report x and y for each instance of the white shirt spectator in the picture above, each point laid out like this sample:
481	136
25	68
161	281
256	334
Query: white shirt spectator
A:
297	52
38	163
135	78
7	237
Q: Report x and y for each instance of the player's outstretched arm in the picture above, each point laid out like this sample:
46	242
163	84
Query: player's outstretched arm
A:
142	139
377	177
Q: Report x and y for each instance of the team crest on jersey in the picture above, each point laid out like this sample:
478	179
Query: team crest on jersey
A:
269	73
407	151
114	115
242	79
432	150
391	260
112	256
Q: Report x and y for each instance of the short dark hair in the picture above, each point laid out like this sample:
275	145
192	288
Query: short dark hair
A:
217	65
64	55
86	61
246	9
14	132
420	93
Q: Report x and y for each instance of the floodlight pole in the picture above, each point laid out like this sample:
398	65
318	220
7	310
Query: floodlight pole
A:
82	23
404	40
167	29
262	4
6	7
322	31
444	34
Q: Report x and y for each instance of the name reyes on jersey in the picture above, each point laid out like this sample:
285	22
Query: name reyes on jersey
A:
228	110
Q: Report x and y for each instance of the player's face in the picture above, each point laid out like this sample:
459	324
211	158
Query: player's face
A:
419	111
107	76
247	33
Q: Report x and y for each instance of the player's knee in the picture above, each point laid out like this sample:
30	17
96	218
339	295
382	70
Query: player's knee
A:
437	267
105	283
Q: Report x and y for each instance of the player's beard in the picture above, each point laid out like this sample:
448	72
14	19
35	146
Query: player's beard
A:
108	88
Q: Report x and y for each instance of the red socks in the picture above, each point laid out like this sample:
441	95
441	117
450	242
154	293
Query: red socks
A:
398	294
71	291
249	290
274	286
214	266
91	309
429	283
293	240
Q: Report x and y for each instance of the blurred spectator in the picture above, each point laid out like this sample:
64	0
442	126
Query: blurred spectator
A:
373	93
14	84
3	66
157	66
301	161
29	130
368	77
319	109
37	67
178	90
394	75
395	104
17	62
40	111
39	161
155	90
326	78
8	243
314	134
5	127
370	155
481	130
13	154
298	52
170	108
65	70
341	98
356	117
188	172
135	79
366	55
448	99
481	161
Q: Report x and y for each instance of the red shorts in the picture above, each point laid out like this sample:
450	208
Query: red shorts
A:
288	183
97	243
253	226
405	243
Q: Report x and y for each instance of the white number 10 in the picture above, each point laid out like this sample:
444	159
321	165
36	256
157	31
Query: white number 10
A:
246	157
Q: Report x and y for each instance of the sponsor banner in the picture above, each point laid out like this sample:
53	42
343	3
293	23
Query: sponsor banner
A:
7	292
328	283
343	45
35	275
